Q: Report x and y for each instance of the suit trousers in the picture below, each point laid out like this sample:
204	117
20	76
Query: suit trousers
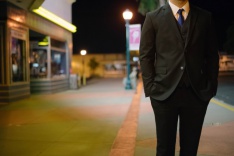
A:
182	108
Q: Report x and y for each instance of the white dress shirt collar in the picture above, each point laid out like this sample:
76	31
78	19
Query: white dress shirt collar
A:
175	8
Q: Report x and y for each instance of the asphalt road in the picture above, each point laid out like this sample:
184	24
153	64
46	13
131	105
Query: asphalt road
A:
226	88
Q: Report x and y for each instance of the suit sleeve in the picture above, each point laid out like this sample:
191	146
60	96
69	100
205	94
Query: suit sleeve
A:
147	54
212	57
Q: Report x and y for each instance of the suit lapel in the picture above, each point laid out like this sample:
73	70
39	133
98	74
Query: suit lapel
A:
193	13
169	18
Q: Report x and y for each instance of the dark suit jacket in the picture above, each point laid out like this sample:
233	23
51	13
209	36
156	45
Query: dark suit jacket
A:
164	56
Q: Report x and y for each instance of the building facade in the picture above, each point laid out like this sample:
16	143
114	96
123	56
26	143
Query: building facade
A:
109	65
35	47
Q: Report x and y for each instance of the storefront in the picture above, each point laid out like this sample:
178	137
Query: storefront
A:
35	54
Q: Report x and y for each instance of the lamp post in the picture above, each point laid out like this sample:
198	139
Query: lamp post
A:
83	53
127	15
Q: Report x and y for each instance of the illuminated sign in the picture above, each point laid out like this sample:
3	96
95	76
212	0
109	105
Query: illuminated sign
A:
55	19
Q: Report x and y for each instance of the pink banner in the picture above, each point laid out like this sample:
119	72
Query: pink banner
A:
134	36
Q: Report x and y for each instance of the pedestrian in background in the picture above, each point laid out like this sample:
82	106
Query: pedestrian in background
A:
179	64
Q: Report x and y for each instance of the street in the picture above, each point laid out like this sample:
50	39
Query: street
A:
226	88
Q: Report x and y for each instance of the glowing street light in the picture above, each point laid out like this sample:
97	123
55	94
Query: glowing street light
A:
83	53
127	15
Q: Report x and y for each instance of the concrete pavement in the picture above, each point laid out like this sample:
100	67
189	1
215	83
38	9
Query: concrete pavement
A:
99	119
217	137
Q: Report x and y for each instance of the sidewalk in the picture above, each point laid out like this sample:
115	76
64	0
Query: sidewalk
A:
217	137
99	119
81	122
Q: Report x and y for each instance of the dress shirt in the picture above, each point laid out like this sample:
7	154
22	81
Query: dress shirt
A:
175	9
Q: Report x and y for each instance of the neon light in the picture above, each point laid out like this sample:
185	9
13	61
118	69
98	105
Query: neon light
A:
43	43
54	18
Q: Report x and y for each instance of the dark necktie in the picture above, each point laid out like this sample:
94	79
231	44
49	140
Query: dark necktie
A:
181	17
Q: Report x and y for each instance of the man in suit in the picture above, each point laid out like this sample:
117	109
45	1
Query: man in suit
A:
179	63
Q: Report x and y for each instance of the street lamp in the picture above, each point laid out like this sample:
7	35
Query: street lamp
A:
127	15
83	53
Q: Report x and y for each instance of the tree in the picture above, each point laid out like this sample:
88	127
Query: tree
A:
149	5
93	64
229	44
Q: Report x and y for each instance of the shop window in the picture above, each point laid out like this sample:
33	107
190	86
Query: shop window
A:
58	58
18	60
58	64
47	57
38	63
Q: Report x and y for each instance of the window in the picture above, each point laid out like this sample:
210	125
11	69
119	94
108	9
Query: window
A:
18	60
58	58
38	63
58	63
47	61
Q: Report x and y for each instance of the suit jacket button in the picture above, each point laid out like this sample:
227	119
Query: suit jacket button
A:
181	68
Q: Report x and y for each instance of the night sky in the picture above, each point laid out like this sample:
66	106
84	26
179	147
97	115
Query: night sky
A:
101	27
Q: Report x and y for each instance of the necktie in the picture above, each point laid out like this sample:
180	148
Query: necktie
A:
181	17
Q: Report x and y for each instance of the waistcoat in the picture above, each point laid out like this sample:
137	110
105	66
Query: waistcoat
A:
184	33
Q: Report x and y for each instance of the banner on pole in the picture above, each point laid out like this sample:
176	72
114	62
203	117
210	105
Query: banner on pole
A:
134	36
